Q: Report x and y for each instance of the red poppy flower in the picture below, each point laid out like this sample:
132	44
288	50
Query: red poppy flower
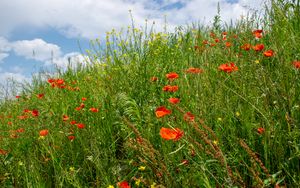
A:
189	116
257	33
162	111
194	70
60	81
217	40
26	111
174	100
35	113
94	109
296	64
172	75
171	134
228	67
18	96
83	99
80	125
170	88
44	132
269	53
260	130
258	47
20	130
228	44
82	105
78	108
73	122
246	47
123	184
205	42
3	152
71	137
41	95
22	117
51	80
224	33
154	79
65	118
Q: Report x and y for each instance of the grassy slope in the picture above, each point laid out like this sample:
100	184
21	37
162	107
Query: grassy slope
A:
222	146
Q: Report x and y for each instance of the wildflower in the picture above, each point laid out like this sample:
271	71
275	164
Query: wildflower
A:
20	130
189	116
162	111
65	118
60	81
220	119
142	168
123	184
257	33
94	109
237	114
71	137
217	40
26	111
137	182
3	152
296	64
258	47
205	42
228	44
73	122
154	79
83	99
174	100
260	130
256	61
269	53
82	105
44	132
215	142
35	113
40	96
172	76
153	185
171	134
18	96
80	125
22	117
194	70
228	67
78	108
72	169
170	88
110	186
246	47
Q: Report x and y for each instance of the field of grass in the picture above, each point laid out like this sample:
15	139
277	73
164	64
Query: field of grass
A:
211	106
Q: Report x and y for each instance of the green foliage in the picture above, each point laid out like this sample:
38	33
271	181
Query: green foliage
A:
239	122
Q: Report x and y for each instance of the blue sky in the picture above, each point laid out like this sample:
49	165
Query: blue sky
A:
36	34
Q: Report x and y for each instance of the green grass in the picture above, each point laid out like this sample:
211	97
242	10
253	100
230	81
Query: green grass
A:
121	141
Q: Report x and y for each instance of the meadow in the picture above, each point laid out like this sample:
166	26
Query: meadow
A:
203	106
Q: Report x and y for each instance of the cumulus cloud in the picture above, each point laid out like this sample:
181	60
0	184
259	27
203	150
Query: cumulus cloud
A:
36	49
91	18
70	59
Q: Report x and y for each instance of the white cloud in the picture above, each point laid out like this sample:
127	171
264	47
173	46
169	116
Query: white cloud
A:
3	56
36	49
70	59
4	48
91	18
